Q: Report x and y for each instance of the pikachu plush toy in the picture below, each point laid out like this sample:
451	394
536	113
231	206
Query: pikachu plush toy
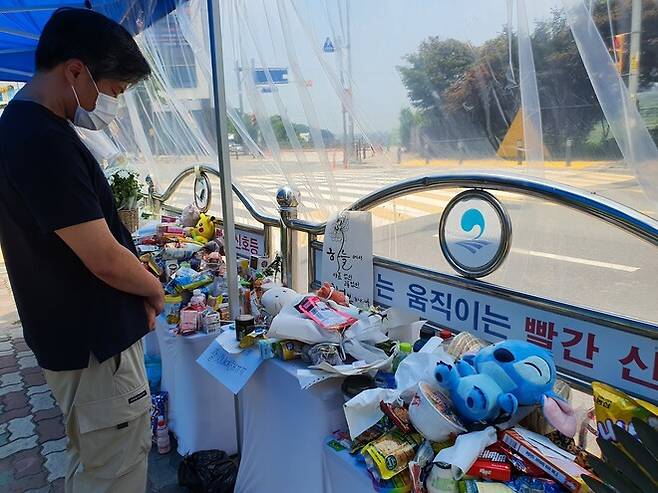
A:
205	229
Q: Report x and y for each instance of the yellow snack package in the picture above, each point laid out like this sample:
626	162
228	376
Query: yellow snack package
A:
390	454
613	406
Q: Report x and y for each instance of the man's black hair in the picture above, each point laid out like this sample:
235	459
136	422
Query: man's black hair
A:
105	47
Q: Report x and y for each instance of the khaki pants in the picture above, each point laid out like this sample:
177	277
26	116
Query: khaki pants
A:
106	414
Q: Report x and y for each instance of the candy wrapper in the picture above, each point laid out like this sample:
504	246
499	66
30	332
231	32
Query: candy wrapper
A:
180	251
187	279
398	414
526	484
419	467
341	441
159	407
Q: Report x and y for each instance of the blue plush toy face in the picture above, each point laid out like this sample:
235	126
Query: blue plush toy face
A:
518	367
476	398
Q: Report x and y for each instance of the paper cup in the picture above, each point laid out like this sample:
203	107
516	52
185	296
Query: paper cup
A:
431	414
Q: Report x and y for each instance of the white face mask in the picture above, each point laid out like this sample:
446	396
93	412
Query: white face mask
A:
101	116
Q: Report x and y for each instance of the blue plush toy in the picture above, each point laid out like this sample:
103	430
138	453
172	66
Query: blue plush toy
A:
477	398
512	370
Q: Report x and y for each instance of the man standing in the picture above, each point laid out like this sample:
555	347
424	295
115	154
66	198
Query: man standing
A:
84	299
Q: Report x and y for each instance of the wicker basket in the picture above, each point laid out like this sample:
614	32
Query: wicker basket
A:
130	219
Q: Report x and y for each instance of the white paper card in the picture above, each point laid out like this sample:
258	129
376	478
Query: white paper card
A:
347	255
231	370
228	341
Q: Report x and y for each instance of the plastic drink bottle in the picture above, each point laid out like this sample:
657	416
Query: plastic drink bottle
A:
164	446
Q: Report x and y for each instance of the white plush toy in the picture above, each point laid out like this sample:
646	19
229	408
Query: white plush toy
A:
275	298
190	216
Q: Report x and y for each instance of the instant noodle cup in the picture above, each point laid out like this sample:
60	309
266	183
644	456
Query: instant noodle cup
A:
432	414
612	406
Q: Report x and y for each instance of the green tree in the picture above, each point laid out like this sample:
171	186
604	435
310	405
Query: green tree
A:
465	91
433	69
282	137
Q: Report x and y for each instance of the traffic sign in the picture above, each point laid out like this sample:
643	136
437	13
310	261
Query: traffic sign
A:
328	46
278	75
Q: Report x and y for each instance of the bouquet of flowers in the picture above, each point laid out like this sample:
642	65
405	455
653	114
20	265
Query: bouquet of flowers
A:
126	186
127	190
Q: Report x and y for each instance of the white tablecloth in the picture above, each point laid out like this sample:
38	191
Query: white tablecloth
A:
343	473
201	410
284	430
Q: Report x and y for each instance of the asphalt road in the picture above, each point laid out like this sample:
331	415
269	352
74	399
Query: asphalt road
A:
556	253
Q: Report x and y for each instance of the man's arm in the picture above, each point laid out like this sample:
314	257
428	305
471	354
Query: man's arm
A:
112	263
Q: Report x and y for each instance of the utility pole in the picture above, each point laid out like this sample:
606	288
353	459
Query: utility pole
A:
346	144
349	72
634	61
239	79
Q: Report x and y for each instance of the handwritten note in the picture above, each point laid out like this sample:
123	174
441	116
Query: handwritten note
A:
347	255
231	370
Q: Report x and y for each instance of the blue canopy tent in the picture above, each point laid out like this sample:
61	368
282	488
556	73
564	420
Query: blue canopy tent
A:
21	22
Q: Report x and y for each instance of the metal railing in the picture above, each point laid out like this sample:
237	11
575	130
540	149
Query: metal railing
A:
609	211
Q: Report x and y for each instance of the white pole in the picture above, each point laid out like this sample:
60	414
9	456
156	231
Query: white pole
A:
223	161
226	184
634	61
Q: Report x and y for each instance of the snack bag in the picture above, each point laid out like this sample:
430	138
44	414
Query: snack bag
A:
375	431
390	454
614	406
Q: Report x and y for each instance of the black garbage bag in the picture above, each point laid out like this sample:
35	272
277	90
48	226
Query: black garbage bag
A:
208	471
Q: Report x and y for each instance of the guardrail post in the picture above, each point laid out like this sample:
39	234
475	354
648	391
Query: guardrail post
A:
288	200
156	204
311	261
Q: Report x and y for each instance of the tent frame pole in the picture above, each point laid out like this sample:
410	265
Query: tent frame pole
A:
226	183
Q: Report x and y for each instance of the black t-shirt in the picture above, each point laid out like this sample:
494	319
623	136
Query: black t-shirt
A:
49	180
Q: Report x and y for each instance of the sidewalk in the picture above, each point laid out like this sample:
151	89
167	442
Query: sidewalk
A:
32	438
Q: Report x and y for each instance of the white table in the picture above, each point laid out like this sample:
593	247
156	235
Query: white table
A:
284	430
201	410
344	472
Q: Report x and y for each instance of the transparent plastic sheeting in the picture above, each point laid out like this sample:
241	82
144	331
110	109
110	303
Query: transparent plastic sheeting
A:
338	98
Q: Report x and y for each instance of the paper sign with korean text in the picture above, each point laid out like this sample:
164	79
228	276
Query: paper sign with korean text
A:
233	370
248	243
595	351
347	255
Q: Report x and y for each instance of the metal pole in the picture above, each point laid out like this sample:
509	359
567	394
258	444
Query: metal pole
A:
634	60
311	261
287	199
224	165
568	151
349	71
223	160
239	79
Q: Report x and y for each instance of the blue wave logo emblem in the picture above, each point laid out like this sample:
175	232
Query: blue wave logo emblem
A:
471	219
